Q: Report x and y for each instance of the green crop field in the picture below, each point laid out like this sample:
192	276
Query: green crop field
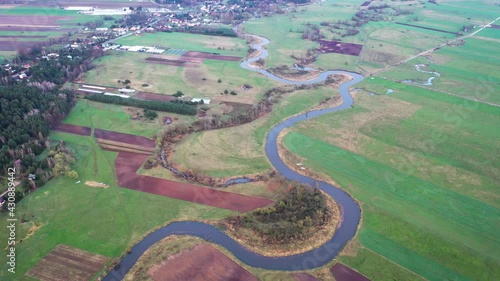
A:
468	70
118	118
426	178
64	212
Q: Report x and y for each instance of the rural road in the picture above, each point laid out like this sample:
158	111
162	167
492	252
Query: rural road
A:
423	53
350	211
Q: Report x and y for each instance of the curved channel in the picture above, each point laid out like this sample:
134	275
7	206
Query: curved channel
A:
350	212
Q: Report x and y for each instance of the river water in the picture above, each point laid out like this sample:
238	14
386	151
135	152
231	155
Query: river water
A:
350	212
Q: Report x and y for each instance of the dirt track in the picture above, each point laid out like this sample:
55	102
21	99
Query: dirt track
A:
201	263
344	273
127	164
73	129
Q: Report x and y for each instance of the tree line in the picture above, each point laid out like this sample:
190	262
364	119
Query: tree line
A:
179	108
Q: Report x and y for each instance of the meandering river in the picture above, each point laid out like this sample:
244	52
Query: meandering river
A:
350	212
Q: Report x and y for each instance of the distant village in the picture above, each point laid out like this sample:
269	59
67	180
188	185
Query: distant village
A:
212	17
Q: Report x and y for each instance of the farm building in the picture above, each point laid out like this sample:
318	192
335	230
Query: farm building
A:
205	101
127	91
117	95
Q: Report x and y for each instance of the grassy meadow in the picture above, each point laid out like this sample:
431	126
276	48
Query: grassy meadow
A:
199	82
384	42
469	70
64	212
239	150
118	118
426	179
229	46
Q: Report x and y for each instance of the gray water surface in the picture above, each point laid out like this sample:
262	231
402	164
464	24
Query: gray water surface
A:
350	212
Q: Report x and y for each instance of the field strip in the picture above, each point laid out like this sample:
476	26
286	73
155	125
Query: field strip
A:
435	48
127	164
442	92
28	25
125	145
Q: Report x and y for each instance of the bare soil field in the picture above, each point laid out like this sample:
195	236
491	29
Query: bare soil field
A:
18	27
124	138
120	148
344	273
210	56
95	3
340	47
201	263
67	263
304	277
22	36
153	96
12	45
127	164
175	62
73	129
32	20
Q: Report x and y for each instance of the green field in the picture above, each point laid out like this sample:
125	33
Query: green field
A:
229	46
422	164
384	42
118	118
239	150
104	221
199	82
468	70
426	178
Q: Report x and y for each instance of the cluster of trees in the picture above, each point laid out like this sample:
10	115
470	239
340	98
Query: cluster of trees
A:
188	102
70	64
59	160
312	32
178	94
26	115
297	216
151	105
149	114
206	30
345	28
94	24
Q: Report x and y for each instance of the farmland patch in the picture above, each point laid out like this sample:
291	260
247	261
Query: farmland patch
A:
340	47
127	164
65	262
344	273
210	56
73	129
203	262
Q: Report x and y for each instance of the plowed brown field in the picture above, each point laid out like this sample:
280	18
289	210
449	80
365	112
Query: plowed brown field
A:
202	263
344	273
127	164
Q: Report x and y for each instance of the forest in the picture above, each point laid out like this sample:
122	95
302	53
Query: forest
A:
26	115
297	216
